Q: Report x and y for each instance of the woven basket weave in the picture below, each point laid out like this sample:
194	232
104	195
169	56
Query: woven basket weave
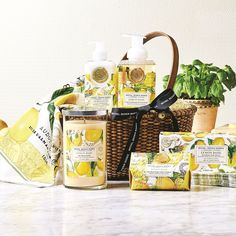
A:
151	125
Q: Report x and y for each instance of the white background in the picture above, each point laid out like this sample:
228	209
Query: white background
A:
43	44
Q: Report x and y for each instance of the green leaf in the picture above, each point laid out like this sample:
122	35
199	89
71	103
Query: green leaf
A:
51	108
61	92
197	62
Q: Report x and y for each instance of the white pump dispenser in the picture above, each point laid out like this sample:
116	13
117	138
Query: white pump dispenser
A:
137	52
100	53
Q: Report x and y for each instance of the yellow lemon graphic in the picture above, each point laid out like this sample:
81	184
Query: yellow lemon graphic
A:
128	90
161	158
83	168
100	165
152	96
187	137
150	79
71	173
22	129
3	124
165	183
218	141
78	140
68	143
179	183
192	163
139	184
66	99
200	143
93	135
201	135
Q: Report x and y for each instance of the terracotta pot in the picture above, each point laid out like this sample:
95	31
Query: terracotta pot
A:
205	117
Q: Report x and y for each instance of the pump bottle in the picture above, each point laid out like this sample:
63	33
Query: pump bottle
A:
100	80
136	76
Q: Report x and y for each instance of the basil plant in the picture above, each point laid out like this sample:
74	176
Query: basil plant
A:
203	81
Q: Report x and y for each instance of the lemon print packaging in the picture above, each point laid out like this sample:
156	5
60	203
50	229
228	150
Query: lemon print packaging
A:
159	171
30	150
84	151
212	156
136	76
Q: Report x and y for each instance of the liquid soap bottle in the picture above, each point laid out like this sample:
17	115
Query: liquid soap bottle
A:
136	76
100	80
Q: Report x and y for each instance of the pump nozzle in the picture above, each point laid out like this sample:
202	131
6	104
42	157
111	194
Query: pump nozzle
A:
137	52
100	53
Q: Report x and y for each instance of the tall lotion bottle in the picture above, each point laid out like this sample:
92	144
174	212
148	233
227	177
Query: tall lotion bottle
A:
136	76
100	80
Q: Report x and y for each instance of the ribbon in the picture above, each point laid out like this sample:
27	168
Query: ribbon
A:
161	103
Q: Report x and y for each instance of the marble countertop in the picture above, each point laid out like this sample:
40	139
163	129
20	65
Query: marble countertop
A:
116	211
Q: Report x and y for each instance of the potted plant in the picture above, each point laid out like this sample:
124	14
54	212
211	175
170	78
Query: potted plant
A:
203	85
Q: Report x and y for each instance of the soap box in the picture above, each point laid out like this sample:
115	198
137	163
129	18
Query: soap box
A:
159	171
212	156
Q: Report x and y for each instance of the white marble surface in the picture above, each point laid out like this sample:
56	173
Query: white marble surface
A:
116	211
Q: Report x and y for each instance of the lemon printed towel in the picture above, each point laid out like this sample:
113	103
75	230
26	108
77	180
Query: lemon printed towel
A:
30	150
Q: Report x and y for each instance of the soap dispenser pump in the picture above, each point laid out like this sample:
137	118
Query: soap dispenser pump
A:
100	80
136	76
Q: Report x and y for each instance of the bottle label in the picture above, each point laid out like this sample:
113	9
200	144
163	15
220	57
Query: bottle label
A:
84	152
136	99
99	102
211	154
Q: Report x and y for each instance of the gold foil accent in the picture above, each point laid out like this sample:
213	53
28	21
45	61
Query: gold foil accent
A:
137	75
100	75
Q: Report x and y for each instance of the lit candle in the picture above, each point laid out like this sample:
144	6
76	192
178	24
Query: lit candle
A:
84	145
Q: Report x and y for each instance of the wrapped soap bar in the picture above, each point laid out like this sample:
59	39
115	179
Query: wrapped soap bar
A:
212	156
229	128
159	171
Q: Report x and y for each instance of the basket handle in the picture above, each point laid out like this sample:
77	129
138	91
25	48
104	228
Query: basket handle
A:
175	51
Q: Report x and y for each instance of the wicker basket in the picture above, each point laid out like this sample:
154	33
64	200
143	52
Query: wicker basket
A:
152	124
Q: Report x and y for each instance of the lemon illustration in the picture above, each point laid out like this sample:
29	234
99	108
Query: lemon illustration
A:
152	96
3	124
200	143
214	166
161	158
71	173
165	183
187	137
93	135
201	135
68	143
66	99
128	90
150	79
218	141
83	168
22	129
100	164
139	184
232	162
78	140
192	163
179	183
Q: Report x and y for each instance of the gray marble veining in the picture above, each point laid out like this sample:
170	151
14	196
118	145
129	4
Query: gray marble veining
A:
116	211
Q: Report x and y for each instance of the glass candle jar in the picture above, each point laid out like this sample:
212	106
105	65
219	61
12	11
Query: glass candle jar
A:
84	149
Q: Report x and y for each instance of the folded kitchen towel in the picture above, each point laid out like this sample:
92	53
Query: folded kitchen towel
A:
31	150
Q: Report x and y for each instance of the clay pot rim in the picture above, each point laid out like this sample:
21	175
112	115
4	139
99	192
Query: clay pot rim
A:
200	103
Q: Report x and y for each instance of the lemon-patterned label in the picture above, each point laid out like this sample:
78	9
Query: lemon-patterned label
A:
84	153
159	171
207	152
136	85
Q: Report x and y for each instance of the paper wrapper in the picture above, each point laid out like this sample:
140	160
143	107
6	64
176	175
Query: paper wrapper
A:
154	171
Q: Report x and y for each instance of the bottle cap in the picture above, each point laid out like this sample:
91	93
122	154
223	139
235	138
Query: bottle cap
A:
137	52
100	53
